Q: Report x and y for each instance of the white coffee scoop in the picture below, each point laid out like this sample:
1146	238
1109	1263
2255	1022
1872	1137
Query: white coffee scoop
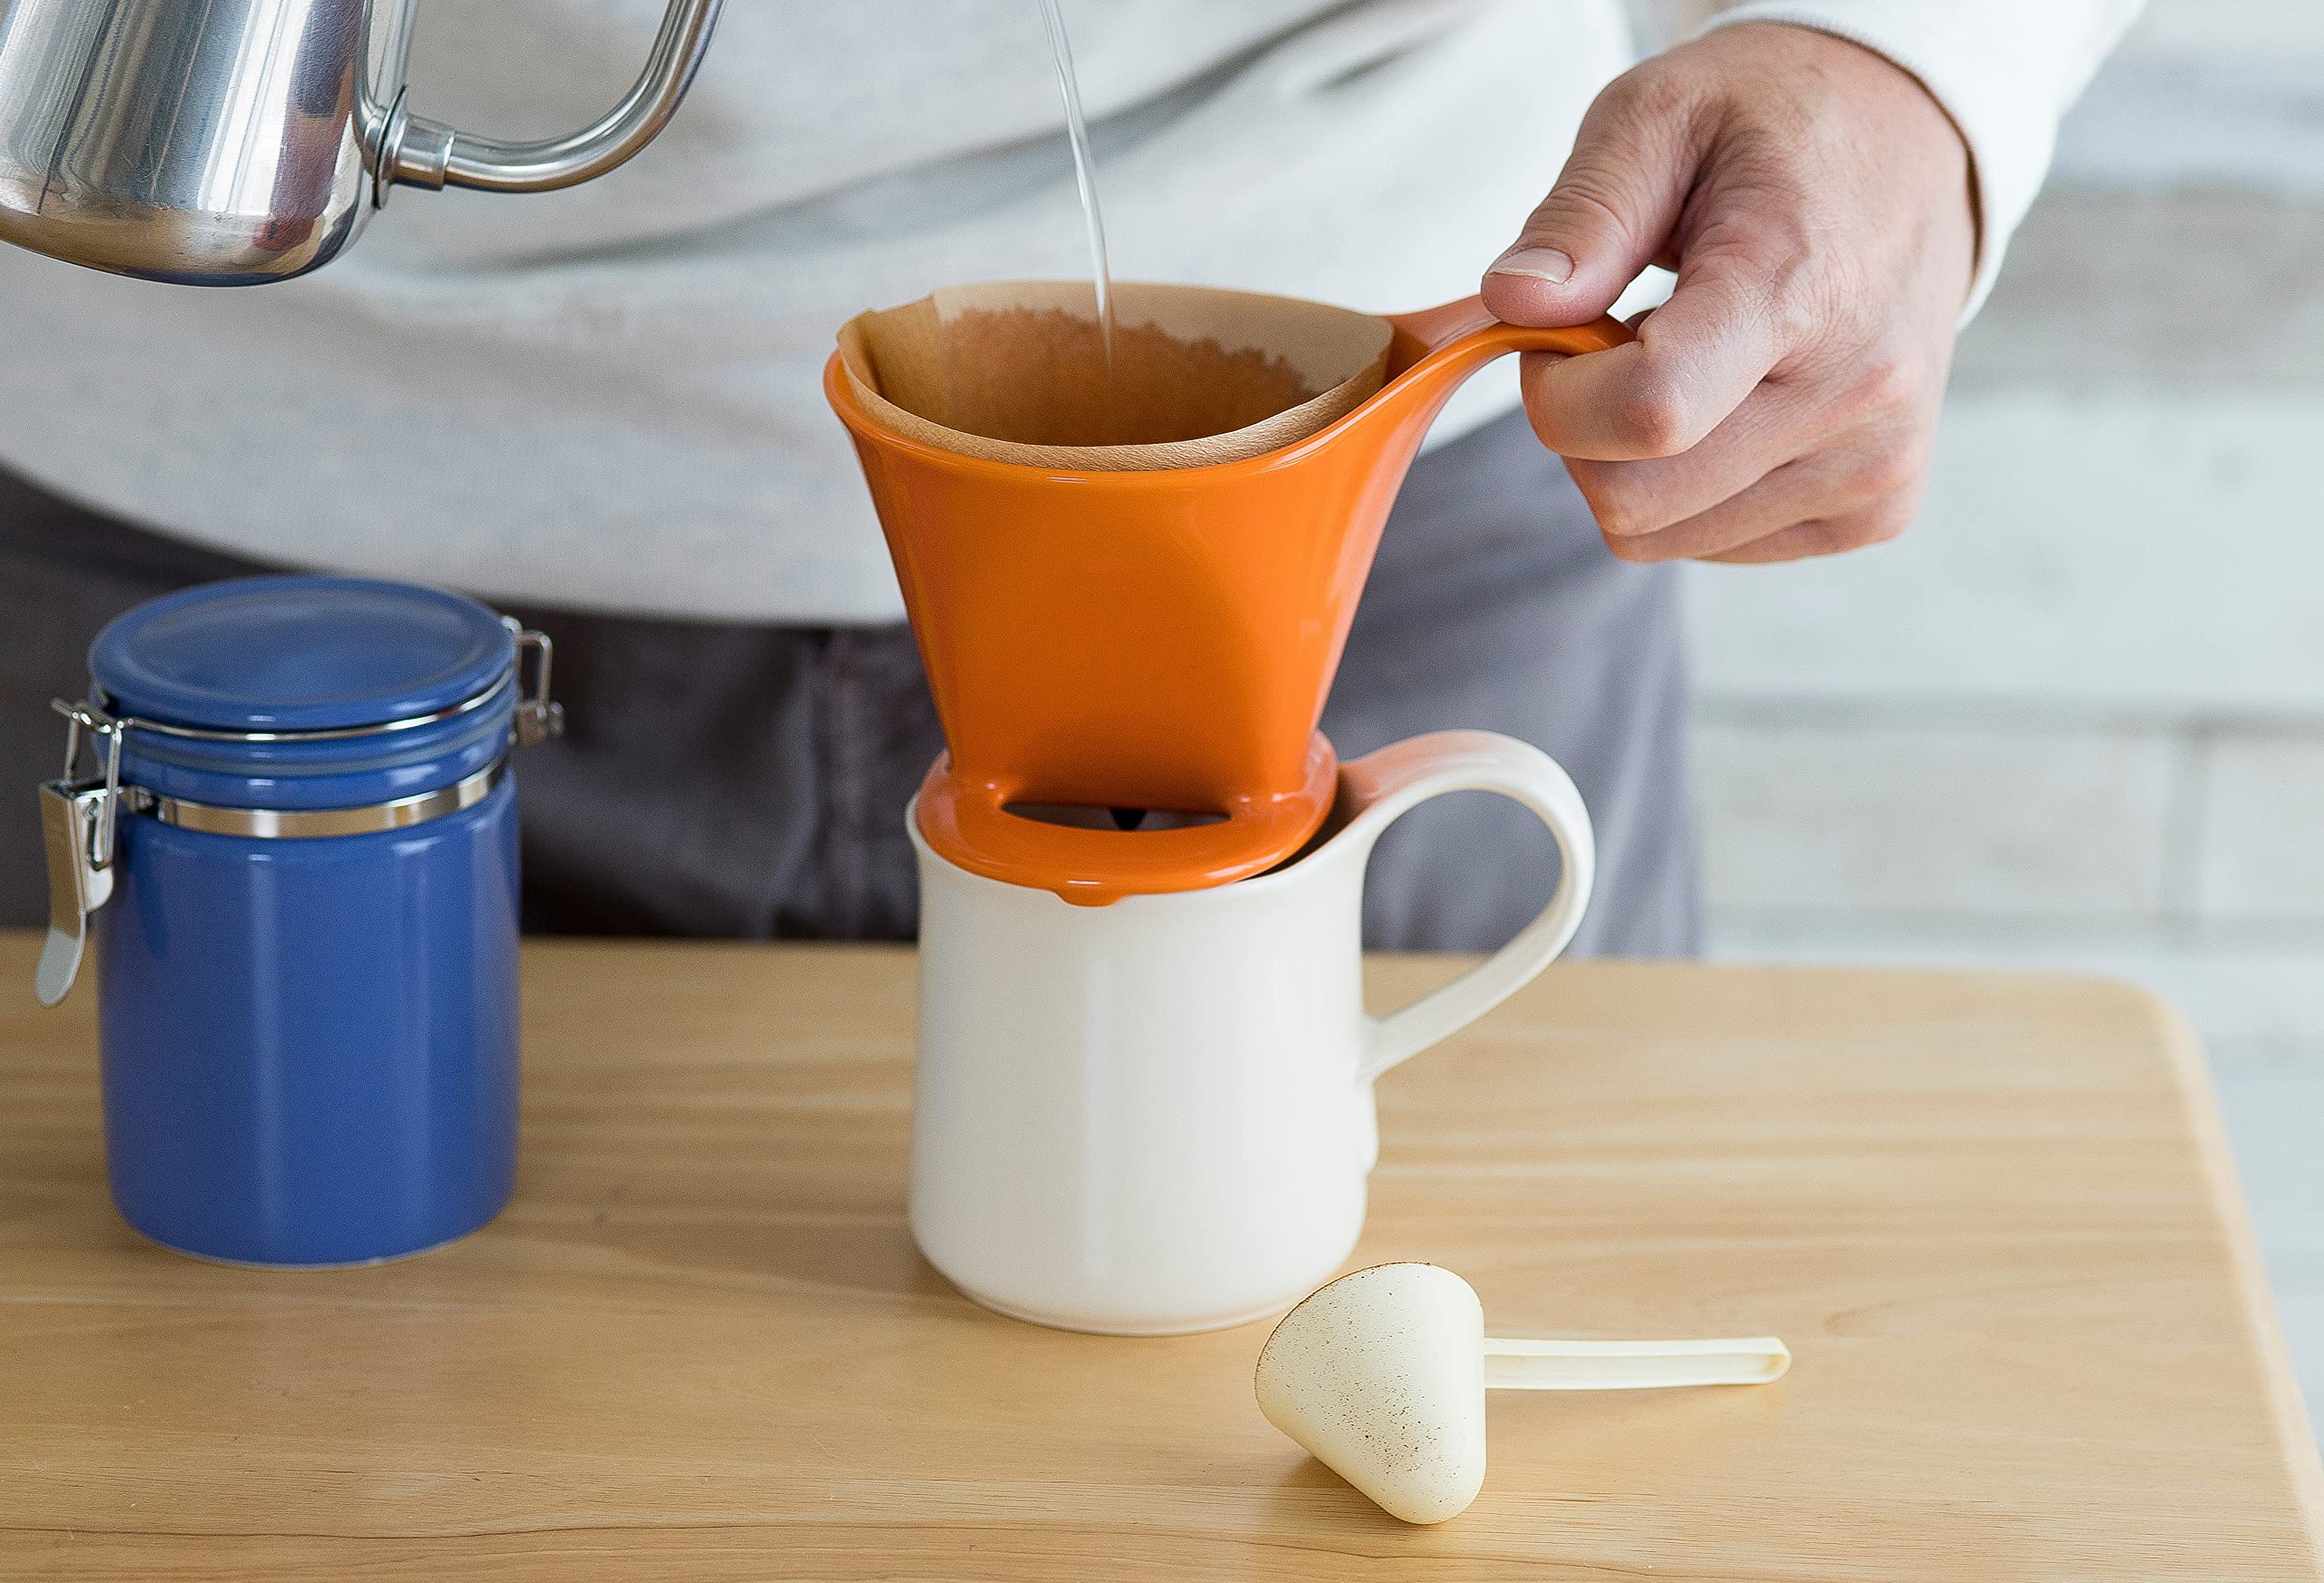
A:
1382	1376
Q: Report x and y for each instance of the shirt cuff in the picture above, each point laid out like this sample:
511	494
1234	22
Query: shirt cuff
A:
2005	72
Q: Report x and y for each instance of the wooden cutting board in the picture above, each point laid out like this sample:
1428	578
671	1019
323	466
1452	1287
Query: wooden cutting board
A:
1992	1214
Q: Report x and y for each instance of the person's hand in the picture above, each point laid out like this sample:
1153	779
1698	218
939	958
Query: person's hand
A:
1815	202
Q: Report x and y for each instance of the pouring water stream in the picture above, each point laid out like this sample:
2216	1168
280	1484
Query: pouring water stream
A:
1085	175
1101	275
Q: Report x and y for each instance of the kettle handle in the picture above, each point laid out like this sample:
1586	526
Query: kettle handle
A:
421	153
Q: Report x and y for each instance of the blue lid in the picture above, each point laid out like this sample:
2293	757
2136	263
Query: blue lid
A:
299	654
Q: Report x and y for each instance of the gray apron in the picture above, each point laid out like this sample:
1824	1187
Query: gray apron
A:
750	781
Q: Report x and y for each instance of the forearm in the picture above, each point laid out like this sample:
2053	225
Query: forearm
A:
2006	71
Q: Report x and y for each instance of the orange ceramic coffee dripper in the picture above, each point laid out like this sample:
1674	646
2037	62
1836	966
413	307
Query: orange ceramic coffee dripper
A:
1153	639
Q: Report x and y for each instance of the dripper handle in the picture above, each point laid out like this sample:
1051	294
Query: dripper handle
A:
1433	350
1467	334
1560	1365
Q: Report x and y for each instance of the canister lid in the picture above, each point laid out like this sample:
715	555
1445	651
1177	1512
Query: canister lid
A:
299	654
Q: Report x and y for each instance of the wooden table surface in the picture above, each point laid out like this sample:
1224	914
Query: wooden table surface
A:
1992	1214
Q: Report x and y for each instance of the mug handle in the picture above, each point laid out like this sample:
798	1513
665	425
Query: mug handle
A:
1384	785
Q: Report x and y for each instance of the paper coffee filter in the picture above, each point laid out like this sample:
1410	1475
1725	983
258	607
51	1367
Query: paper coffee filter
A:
1014	371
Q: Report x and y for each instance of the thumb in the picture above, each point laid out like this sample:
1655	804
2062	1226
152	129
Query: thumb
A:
1612	211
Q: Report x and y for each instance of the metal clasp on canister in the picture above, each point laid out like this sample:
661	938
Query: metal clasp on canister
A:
79	820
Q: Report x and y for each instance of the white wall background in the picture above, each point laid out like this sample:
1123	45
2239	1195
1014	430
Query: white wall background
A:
2075	717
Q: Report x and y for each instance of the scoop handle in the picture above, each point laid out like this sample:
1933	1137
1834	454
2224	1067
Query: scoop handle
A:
1547	1365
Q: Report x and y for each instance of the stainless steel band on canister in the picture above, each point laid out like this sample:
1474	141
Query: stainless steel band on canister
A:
308	824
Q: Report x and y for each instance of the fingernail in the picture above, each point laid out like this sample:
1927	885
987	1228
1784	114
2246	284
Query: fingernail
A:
1535	264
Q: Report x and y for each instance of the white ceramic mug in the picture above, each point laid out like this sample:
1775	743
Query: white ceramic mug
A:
1155	1117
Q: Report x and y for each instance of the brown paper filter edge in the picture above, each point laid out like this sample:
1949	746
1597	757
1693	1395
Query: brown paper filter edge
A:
896	361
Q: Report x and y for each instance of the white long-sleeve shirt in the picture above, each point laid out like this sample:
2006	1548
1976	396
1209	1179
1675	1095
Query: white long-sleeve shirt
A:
609	397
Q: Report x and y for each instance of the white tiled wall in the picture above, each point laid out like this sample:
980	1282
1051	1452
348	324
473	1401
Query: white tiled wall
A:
2237	30
1900	820
2262	822
2147	553
2076	718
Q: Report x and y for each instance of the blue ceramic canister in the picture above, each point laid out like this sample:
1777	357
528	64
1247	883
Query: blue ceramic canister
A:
297	855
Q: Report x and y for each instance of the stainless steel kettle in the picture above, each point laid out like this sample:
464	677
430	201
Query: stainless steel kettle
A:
230	142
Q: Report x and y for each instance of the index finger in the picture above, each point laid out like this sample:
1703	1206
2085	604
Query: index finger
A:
1695	360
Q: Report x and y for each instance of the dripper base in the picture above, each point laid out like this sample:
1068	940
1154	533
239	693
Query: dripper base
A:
970	823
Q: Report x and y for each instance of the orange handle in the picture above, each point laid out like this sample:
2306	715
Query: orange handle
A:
1436	348
1463	332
